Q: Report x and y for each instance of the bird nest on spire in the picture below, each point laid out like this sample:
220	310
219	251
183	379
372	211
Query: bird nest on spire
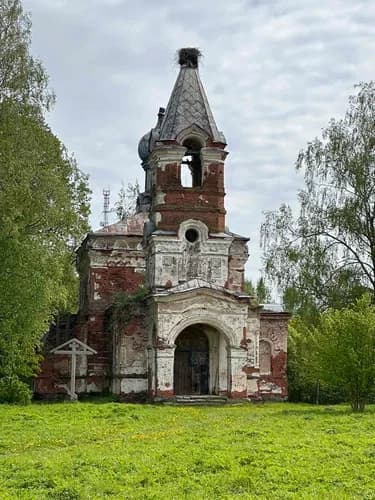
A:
189	57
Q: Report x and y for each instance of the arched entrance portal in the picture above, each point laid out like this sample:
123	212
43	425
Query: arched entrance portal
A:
191	362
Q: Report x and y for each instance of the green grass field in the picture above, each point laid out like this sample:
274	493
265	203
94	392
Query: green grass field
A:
111	450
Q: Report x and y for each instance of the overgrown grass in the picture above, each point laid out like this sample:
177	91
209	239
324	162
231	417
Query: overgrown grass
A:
111	450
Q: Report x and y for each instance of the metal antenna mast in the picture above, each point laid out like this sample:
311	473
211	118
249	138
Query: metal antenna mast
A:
106	196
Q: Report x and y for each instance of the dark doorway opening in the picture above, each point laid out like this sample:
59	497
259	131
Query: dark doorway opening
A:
191	362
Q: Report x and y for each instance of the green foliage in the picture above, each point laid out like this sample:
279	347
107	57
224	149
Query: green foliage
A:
43	204
249	287
12	390
336	356
345	350
304	381
327	254
23	79
260	291
325	257
149	451
125	205
124	305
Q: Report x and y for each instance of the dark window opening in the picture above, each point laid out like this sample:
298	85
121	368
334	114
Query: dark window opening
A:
191	166
191	235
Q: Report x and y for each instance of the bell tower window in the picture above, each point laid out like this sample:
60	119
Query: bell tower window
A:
191	165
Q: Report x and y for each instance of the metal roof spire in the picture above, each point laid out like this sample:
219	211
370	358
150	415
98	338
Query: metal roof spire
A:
188	104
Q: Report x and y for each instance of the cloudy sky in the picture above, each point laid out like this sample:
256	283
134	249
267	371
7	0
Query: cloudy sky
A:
275	71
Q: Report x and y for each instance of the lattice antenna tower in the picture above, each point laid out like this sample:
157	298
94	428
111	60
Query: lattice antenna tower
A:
106	210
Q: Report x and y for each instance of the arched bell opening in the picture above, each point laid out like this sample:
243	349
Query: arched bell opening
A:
191	164
200	361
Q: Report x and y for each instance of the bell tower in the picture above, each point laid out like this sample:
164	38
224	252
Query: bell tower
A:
184	156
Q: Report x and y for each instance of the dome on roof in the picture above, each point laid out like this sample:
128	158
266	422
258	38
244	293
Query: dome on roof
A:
144	146
147	142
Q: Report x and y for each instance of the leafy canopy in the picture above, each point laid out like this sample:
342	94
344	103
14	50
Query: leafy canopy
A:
341	350
23	79
43	205
125	206
261	291
325	257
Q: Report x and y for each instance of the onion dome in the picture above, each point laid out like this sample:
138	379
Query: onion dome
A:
147	142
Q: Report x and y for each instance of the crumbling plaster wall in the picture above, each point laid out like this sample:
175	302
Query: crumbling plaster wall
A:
225	315
116	264
107	264
172	259
274	330
237	258
130	340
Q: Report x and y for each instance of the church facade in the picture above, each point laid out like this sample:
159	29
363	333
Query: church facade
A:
162	306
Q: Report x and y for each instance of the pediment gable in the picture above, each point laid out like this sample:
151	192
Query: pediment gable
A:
198	287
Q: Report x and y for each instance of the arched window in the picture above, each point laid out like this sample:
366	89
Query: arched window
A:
191	166
264	357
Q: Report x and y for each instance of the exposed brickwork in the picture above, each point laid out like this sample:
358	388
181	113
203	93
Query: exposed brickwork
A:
238	255
105	282
178	247
274	328
205	202
238	394
121	363
165	394
170	218
54	370
121	269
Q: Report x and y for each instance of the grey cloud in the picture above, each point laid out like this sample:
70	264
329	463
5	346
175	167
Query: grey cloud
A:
275	72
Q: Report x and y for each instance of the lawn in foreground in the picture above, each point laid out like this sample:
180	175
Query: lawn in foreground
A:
90	450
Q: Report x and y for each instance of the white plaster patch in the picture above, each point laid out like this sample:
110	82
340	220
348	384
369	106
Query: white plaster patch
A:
252	387
130	385
159	198
157	218
269	387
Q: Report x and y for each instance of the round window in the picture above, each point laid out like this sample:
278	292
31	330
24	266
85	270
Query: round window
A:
191	235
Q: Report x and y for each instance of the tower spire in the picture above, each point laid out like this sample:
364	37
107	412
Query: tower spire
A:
188	105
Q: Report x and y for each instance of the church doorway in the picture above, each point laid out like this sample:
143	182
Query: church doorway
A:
191	362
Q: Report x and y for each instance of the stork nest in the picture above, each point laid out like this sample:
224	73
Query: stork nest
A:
189	57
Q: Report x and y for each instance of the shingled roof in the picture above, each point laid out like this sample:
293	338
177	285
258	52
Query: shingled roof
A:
132	226
188	104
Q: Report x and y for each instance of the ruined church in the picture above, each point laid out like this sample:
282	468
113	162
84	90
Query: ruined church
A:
162	309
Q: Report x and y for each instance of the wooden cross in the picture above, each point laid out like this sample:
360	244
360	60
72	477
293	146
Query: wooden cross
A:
73	348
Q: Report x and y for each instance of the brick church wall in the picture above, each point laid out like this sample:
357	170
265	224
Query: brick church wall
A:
274	330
